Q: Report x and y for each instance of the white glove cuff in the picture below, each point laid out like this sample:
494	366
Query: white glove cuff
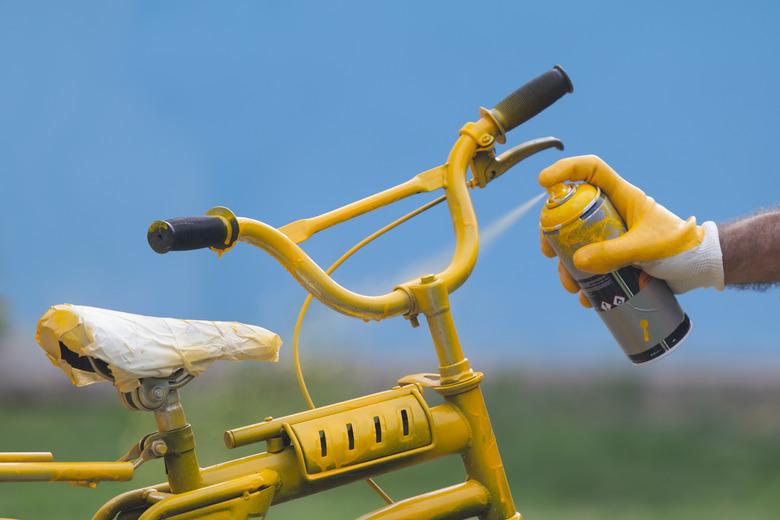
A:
701	266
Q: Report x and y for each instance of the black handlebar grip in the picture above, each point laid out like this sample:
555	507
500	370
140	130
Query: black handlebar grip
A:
187	233
533	97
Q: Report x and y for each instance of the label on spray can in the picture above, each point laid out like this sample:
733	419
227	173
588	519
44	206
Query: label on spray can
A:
640	311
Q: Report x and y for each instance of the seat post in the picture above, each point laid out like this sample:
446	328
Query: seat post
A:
181	462
170	416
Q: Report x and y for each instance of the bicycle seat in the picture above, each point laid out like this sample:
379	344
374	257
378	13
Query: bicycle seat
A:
91	344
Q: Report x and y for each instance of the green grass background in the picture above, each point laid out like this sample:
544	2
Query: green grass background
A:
575	446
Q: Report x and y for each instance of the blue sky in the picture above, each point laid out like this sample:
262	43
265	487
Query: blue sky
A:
114	114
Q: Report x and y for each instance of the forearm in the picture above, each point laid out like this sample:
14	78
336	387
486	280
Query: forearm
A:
751	249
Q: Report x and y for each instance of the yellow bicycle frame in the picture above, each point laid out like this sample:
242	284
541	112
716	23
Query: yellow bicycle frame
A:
462	424
325	447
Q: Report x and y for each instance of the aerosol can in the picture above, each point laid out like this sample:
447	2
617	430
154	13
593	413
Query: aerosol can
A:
641	311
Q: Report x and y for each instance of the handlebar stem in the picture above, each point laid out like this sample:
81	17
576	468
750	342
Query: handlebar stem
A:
432	300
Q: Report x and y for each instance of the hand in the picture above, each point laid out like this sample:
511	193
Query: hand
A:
657	240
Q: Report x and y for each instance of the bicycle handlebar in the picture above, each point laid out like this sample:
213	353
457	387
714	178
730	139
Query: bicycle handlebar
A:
186	233
533	97
202	232
218	230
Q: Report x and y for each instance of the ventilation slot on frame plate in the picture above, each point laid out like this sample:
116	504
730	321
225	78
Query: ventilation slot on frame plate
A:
323	444
378	429
350	437
405	422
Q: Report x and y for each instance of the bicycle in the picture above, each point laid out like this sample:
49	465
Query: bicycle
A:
318	449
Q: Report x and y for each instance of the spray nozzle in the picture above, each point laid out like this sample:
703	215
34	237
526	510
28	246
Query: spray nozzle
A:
488	167
559	193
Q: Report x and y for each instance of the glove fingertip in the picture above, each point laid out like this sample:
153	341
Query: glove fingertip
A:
601	257
568	282
557	172
547	249
587	259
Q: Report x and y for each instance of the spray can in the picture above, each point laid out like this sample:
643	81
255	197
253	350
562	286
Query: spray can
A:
641	311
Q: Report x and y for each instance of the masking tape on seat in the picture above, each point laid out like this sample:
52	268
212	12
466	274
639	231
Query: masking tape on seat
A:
135	346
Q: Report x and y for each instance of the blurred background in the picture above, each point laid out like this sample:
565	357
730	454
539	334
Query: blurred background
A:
116	114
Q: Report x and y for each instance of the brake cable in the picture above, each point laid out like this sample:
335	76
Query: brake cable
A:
305	307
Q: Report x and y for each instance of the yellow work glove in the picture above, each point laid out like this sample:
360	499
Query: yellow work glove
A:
659	242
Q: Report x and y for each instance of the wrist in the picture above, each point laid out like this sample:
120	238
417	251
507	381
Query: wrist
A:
698	267
709	258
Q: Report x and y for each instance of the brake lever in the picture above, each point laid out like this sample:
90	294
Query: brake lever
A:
487	167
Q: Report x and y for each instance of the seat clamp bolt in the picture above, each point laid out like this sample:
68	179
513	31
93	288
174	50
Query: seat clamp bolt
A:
159	448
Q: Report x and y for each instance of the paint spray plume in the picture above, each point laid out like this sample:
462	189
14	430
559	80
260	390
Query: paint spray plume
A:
487	237
326	324
497	228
